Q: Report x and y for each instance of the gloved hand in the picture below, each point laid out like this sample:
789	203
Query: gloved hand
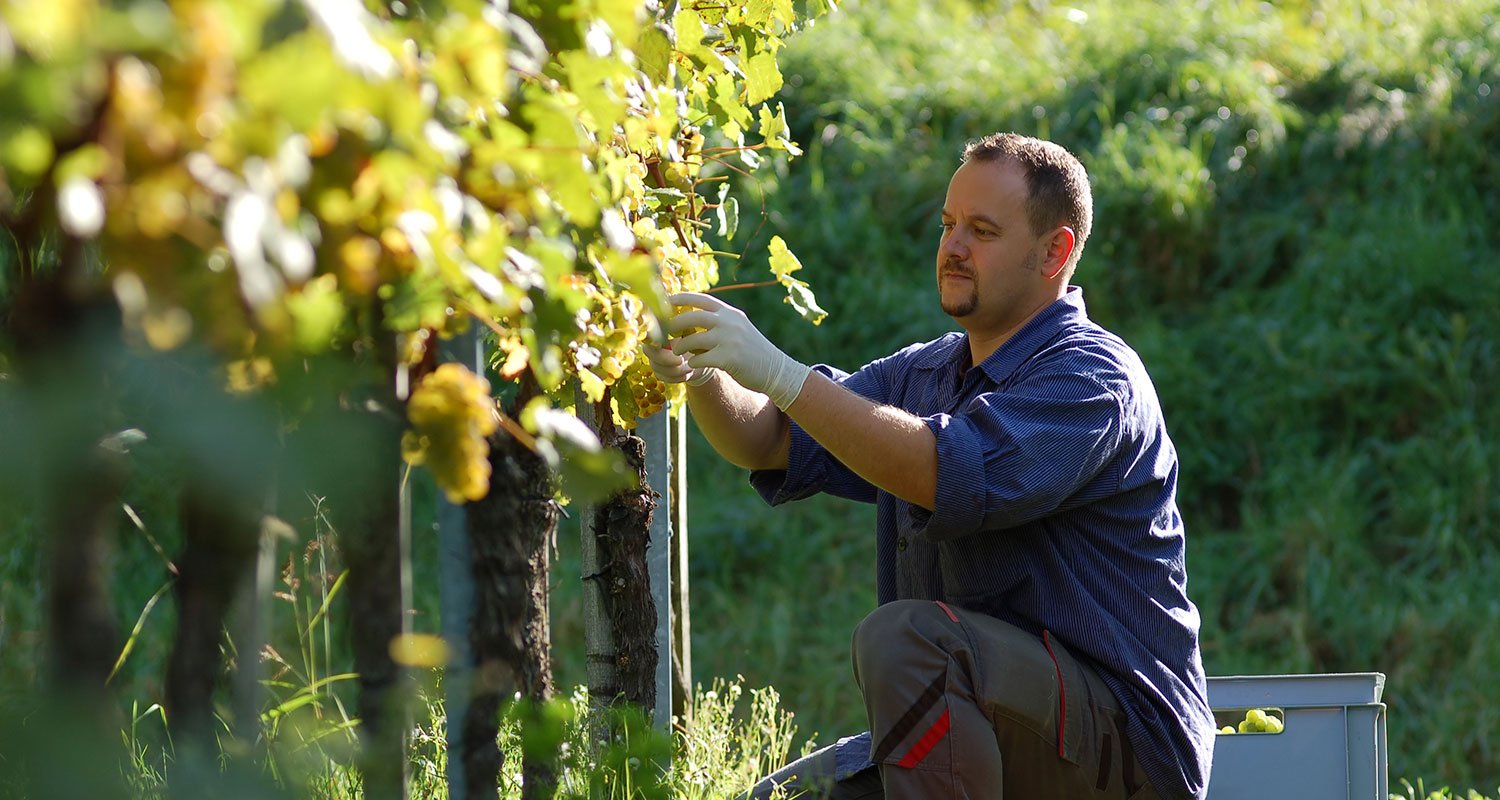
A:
728	341
672	368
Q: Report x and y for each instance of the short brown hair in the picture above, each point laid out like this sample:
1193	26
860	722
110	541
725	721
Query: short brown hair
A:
1056	181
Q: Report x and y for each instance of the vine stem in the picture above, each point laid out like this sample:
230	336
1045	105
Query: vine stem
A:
514	428
655	170
735	149
755	285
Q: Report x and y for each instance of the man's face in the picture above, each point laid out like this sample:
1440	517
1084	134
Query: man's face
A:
989	261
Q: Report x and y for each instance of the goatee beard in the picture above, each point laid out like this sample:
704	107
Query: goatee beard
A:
965	305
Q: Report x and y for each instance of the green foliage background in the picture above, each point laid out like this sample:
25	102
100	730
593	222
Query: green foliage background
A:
1294	207
1294	226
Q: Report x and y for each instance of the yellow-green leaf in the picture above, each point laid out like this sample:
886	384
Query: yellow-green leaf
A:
798	294
692	41
769	13
27	150
726	96
783	261
774	130
800	297
762	78
653	53
599	83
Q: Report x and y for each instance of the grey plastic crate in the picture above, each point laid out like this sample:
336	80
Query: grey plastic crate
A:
1331	747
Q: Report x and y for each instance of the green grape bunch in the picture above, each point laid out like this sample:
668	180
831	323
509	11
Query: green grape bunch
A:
621	329
1257	720
641	394
452	415
612	358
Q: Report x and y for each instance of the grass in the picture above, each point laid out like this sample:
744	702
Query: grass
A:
308	729
737	735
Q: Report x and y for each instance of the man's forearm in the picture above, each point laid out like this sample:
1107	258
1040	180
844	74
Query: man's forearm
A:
742	425
886	446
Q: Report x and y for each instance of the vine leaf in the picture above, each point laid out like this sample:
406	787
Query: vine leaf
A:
774	130
762	77
654	52
728	213
798	293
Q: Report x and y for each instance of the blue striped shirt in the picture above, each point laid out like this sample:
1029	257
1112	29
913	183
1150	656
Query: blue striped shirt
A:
1056	508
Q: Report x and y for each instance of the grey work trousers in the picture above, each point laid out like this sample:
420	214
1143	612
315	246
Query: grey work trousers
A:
964	706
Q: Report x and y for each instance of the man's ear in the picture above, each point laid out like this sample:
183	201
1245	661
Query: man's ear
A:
1059	249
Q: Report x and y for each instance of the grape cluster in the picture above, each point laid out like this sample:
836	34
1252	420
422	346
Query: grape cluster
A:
616	331
1256	721
641	394
682	269
452	416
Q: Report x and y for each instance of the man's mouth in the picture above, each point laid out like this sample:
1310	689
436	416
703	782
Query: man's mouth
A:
953	270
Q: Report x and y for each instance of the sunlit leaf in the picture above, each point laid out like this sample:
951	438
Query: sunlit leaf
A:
27	151
599	84
774	13
726	99
774	130
653	52
47	28
728	213
783	261
295	84
318	312
688	27
801	298
762	78
798	293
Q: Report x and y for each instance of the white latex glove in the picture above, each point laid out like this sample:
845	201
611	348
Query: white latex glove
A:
728	341
672	368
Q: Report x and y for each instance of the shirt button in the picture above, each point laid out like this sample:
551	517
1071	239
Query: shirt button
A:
901	544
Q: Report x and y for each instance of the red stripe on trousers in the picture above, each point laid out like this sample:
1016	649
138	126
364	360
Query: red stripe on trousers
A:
928	741
1062	694
947	610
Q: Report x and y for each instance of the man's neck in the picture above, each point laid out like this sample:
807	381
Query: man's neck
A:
983	344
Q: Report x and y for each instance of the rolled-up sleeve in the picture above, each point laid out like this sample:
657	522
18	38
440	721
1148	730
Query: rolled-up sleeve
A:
1012	456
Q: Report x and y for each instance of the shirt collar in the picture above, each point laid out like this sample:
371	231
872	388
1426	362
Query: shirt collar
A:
1006	359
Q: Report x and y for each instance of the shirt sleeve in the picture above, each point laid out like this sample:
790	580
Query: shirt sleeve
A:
810	467
1015	455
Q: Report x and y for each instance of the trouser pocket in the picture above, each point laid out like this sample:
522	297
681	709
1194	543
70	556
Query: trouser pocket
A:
964	705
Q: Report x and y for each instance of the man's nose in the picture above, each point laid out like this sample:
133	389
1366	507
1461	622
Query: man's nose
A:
954	246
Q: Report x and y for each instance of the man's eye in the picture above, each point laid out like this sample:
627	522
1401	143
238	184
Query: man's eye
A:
946	226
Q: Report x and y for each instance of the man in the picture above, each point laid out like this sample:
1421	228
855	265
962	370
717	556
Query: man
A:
1034	638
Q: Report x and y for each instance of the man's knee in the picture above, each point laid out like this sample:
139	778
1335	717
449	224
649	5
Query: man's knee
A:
896	631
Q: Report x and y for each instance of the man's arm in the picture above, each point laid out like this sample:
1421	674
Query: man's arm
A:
743	426
886	446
